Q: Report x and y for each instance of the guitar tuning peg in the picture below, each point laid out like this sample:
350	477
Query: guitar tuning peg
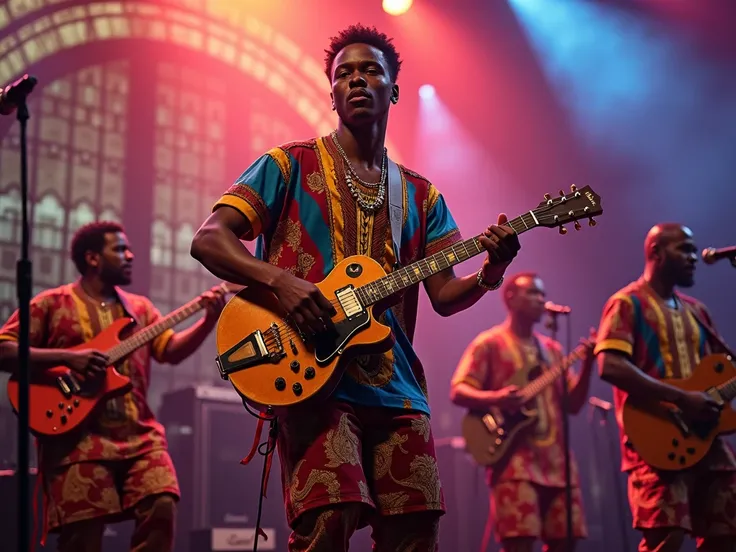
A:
592	222
547	197
573	188
563	230
562	193
577	225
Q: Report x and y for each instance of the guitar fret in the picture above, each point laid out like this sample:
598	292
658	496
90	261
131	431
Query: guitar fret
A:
149	333
414	273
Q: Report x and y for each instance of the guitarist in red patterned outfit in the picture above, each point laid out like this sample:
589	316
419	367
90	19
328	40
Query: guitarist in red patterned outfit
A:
528	485
649	332
118	467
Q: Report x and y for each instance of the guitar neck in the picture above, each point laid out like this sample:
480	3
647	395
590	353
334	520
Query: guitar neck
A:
421	270
728	390
149	333
535	387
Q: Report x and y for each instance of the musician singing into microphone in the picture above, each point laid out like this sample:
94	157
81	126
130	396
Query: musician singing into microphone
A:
527	486
650	332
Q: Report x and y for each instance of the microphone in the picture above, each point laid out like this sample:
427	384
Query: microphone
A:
553	308
15	94
600	403
711	255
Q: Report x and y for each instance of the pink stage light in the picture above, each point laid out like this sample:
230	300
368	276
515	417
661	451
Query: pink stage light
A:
396	7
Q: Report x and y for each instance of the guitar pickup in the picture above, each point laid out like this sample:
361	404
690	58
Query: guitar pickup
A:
676	416
64	387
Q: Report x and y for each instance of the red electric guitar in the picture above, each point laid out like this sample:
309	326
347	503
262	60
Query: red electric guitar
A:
59	402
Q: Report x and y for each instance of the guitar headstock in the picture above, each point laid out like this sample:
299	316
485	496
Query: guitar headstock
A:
573	207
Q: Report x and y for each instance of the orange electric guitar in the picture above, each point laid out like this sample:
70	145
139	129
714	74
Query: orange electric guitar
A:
271	364
59	403
664	437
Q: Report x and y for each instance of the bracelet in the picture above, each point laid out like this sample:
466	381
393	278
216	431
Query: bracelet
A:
482	283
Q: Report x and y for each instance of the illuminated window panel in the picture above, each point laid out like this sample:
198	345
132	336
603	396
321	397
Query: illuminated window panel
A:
189	160
76	147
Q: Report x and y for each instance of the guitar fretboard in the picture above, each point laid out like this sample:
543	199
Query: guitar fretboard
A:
149	333
535	387
416	272
728	390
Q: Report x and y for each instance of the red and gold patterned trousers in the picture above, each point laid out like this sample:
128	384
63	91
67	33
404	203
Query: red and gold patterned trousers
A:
82	497
344	467
667	505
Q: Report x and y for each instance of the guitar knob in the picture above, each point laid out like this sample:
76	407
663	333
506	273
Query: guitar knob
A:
309	373
563	230
577	225
61	406
573	188
69	409
294	366
592	222
49	414
297	388
63	419
76	402
280	384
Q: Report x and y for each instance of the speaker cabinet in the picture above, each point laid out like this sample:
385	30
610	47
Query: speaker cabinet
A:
209	433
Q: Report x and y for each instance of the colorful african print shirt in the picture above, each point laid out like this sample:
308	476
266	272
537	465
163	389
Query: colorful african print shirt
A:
301	209
125	427
489	363
663	342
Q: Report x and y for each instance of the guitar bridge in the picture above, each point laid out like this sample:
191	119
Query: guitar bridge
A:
253	350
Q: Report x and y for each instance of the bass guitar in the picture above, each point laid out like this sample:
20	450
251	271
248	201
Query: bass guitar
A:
272	365
490	435
60	402
661	433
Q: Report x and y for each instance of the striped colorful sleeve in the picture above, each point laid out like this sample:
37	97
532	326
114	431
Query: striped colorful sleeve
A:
616	331
442	230
260	191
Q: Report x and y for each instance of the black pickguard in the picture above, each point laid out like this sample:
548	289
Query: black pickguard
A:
330	343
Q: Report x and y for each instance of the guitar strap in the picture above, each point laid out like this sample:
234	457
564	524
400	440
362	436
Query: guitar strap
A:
710	330
395	207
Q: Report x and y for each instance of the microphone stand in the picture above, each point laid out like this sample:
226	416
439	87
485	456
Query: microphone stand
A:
611	452
24	271
564	399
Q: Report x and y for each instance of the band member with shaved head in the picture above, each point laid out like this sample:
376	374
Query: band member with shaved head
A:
650	332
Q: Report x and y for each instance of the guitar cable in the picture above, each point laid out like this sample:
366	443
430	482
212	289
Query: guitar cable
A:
265	449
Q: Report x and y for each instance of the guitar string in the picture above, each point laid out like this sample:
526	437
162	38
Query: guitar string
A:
539	213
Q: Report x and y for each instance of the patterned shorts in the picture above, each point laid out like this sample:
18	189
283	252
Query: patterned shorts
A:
700	502
337	452
524	509
89	490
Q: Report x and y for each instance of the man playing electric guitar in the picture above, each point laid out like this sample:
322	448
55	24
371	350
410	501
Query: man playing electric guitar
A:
366	455
648	333
527	498
117	466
